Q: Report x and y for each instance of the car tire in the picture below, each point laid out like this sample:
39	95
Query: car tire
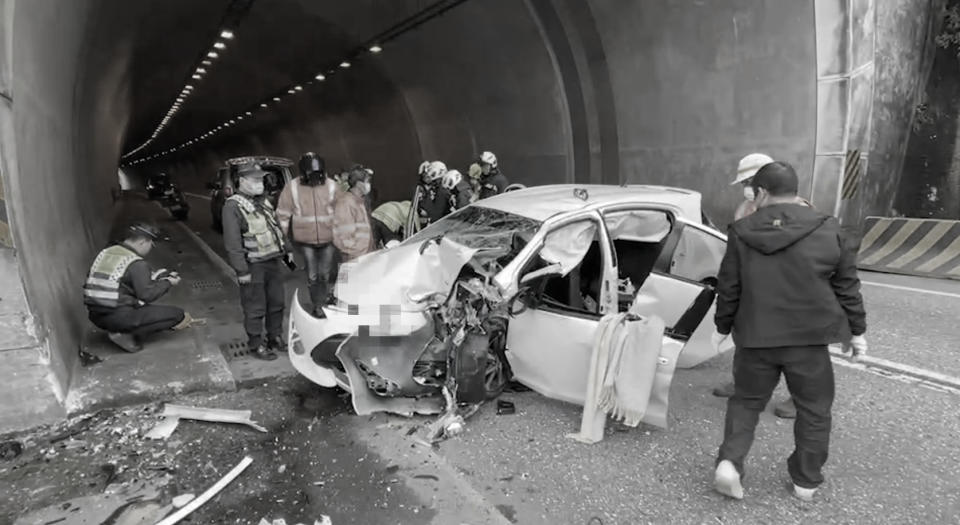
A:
495	377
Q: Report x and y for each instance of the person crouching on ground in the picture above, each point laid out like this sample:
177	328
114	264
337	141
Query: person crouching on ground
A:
787	288
352	233
256	249
121	286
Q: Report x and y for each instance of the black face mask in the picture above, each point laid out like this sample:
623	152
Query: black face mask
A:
315	178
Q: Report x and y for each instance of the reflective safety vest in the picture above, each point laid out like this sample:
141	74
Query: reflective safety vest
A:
393	214
103	281
263	239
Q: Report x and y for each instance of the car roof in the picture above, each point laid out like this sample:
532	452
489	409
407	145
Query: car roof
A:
260	159
542	202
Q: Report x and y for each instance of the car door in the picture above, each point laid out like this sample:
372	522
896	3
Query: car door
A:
549	342
680	289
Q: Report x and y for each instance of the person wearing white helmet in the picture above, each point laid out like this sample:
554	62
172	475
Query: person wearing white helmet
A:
746	169
492	181
461	194
433	200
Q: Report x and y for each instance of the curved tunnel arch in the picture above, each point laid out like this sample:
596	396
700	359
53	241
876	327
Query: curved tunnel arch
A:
562	90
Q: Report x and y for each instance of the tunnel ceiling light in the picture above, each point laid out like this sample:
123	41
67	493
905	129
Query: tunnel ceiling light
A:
263	105
375	49
276	99
227	34
212	54
249	113
291	91
207	62
219	45
188	87
298	88
344	64
201	70
320	77
197	77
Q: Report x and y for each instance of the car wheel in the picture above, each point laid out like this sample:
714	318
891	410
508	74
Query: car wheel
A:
495	376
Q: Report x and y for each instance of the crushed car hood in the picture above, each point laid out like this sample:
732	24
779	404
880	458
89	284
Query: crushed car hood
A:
393	277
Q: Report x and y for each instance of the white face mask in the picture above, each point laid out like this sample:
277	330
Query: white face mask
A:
251	186
748	193
365	187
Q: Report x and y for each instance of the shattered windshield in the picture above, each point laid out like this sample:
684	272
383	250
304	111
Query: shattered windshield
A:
480	228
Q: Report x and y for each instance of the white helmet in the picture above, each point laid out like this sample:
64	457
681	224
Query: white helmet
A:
451	179
488	158
435	171
423	167
750	165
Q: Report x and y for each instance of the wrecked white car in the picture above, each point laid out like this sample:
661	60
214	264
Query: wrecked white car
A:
514	286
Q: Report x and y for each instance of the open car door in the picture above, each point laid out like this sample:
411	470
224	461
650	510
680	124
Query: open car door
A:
680	289
550	344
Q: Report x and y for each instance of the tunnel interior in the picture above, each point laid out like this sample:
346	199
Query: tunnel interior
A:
655	92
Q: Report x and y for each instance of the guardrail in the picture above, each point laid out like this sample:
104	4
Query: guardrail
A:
923	247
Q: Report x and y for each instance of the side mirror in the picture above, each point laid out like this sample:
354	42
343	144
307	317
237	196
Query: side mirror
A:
553	269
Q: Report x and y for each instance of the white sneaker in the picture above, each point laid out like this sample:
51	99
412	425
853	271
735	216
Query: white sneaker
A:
726	480
804	494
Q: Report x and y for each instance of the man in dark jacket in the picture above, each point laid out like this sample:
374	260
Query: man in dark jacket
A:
121	286
256	249
492	180
787	288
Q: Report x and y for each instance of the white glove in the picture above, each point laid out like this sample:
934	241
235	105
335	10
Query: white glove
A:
858	346
717	339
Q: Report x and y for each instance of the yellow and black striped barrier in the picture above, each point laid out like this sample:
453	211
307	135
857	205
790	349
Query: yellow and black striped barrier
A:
924	247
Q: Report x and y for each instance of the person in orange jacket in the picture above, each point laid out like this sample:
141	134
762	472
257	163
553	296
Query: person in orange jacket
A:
352	232
305	212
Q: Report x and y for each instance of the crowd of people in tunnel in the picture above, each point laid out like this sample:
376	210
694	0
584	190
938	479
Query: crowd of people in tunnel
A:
327	219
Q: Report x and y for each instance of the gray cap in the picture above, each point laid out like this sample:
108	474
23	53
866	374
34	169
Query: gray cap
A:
251	170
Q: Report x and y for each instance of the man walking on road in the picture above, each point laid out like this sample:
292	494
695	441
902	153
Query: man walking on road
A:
787	288
255	249
305	210
121	286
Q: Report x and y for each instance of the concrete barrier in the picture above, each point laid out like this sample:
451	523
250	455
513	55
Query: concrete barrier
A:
924	247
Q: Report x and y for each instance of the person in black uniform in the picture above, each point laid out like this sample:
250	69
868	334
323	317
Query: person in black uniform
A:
492	181
256	249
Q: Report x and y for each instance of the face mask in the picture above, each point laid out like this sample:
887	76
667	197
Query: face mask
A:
251	187
365	188
748	193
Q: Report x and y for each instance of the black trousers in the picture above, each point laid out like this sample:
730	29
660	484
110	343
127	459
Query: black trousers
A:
262	301
809	375
381	233
139	321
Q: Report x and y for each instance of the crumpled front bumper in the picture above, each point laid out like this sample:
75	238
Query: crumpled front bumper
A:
306	333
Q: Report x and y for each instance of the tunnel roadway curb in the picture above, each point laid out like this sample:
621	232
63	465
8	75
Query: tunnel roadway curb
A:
919	374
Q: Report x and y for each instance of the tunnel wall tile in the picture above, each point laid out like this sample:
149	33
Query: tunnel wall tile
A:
861	105
862	27
833	37
832	100
826	182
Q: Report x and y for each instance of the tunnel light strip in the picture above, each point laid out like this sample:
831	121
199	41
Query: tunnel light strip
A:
198	73
373	46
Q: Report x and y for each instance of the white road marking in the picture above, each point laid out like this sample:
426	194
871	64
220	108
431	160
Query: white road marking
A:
911	289
898	371
197	196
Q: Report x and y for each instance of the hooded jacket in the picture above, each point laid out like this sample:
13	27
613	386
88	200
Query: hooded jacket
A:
307	211
788	278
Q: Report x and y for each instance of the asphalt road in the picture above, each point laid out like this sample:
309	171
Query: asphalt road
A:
894	454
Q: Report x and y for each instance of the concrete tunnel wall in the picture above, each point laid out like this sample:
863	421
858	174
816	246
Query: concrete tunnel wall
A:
659	91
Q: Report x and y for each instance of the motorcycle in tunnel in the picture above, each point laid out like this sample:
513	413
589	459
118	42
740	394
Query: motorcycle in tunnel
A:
174	202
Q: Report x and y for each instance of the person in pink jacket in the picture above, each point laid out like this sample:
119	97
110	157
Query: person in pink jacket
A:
352	233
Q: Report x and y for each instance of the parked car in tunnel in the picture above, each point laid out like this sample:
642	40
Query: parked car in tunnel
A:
157	184
225	183
555	258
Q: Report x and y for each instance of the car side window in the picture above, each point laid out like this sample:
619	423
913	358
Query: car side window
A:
697	256
638	238
576	248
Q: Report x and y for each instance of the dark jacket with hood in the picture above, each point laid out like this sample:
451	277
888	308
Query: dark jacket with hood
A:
788	278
